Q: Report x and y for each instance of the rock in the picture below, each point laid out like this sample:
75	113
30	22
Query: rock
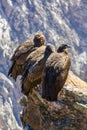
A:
69	112
7	108
60	21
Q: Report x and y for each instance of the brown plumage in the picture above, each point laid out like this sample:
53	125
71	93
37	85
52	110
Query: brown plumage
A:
55	73
22	52
33	68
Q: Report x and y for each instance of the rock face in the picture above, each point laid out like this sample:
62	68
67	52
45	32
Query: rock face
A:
68	113
61	22
8	111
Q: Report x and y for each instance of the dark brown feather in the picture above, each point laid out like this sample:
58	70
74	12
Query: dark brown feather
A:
54	75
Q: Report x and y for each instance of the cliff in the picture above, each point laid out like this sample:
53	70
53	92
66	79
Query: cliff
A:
8	105
68	113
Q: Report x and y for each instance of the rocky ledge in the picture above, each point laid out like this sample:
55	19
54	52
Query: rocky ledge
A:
69	112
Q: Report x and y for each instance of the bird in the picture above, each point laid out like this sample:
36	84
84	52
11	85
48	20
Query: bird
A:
22	51
55	73
33	67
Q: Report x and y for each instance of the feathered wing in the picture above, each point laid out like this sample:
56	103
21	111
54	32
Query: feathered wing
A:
22	49
40	57
32	60
30	70
34	66
54	75
19	57
13	71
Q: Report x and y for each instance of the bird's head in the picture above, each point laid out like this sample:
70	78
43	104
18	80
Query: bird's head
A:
51	48
63	48
39	39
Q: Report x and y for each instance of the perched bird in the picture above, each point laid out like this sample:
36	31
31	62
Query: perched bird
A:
22	52
33	68
55	73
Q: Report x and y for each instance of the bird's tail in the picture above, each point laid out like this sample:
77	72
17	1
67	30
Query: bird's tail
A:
11	68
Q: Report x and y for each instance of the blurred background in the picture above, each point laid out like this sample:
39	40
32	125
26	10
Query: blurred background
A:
61	21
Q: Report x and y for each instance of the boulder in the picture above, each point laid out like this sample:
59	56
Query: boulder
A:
69	112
